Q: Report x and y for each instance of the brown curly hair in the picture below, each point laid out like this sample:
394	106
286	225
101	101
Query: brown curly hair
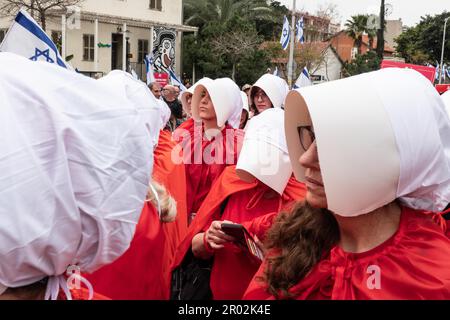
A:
301	238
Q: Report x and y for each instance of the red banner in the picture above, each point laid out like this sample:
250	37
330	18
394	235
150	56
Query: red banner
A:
428	72
442	88
162	79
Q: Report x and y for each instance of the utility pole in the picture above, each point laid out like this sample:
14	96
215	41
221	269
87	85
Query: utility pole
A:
442	52
380	34
291	52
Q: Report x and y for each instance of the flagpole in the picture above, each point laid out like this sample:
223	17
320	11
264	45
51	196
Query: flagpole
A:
442	52
63	36
291	52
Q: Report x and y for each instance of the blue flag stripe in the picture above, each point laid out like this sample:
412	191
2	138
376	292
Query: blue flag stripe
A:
285	44
305	72
31	27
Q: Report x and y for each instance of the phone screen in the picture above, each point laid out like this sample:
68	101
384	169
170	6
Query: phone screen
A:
243	238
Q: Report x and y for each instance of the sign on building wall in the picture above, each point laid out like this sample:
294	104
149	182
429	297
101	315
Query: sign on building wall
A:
164	49
162	79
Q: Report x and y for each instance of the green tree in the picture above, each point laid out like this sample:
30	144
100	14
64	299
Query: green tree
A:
423	43
201	12
227	39
271	29
39	9
235	45
363	63
355	28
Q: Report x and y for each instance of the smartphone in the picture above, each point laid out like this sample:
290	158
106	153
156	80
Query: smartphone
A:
243	238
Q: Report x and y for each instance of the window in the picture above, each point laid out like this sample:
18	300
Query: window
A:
2	34
88	47
57	39
354	52
156	5
142	50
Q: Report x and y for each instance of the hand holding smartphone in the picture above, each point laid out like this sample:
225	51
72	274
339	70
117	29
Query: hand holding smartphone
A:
243	238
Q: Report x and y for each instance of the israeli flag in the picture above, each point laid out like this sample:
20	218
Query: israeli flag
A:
149	69
285	34
175	81
448	72
303	80
134	74
436	75
275	72
300	37
26	38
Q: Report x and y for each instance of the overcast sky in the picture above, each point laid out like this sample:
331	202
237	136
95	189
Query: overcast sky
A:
409	10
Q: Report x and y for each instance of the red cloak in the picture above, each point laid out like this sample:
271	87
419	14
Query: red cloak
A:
142	273
233	268
205	160
413	264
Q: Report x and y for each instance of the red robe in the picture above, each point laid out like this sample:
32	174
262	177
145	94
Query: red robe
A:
201	173
81	294
413	264
142	273
233	268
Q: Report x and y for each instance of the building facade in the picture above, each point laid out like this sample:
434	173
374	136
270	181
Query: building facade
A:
394	28
317	28
100	36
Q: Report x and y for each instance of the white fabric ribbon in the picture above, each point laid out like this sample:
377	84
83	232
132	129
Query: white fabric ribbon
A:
54	285
155	193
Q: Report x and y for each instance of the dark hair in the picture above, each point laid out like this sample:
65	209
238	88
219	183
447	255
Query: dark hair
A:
300	239
151	85
252	98
34	291
246	120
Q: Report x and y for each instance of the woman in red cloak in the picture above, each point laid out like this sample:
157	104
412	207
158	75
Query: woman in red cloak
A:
371	228
210	140
251	193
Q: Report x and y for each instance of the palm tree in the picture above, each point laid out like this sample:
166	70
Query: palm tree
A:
372	34
200	12
356	27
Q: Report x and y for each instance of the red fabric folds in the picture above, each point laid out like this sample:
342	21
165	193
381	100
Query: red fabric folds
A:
233	268
413	264
143	272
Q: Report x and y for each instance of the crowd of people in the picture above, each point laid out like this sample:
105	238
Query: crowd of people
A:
112	189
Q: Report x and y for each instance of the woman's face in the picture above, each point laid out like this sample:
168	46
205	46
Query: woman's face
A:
206	108
315	195
244	119
261	100
189	103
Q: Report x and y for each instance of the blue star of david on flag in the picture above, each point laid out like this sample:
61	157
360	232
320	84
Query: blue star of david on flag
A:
26	38
300	31
285	34
45	53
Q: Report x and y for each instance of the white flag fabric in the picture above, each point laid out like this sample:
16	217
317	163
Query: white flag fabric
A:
303	80
285	34
175	81
134	74
275	72
26	38
300	36
149	69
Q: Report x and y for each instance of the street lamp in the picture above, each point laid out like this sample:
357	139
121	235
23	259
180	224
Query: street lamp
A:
442	52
